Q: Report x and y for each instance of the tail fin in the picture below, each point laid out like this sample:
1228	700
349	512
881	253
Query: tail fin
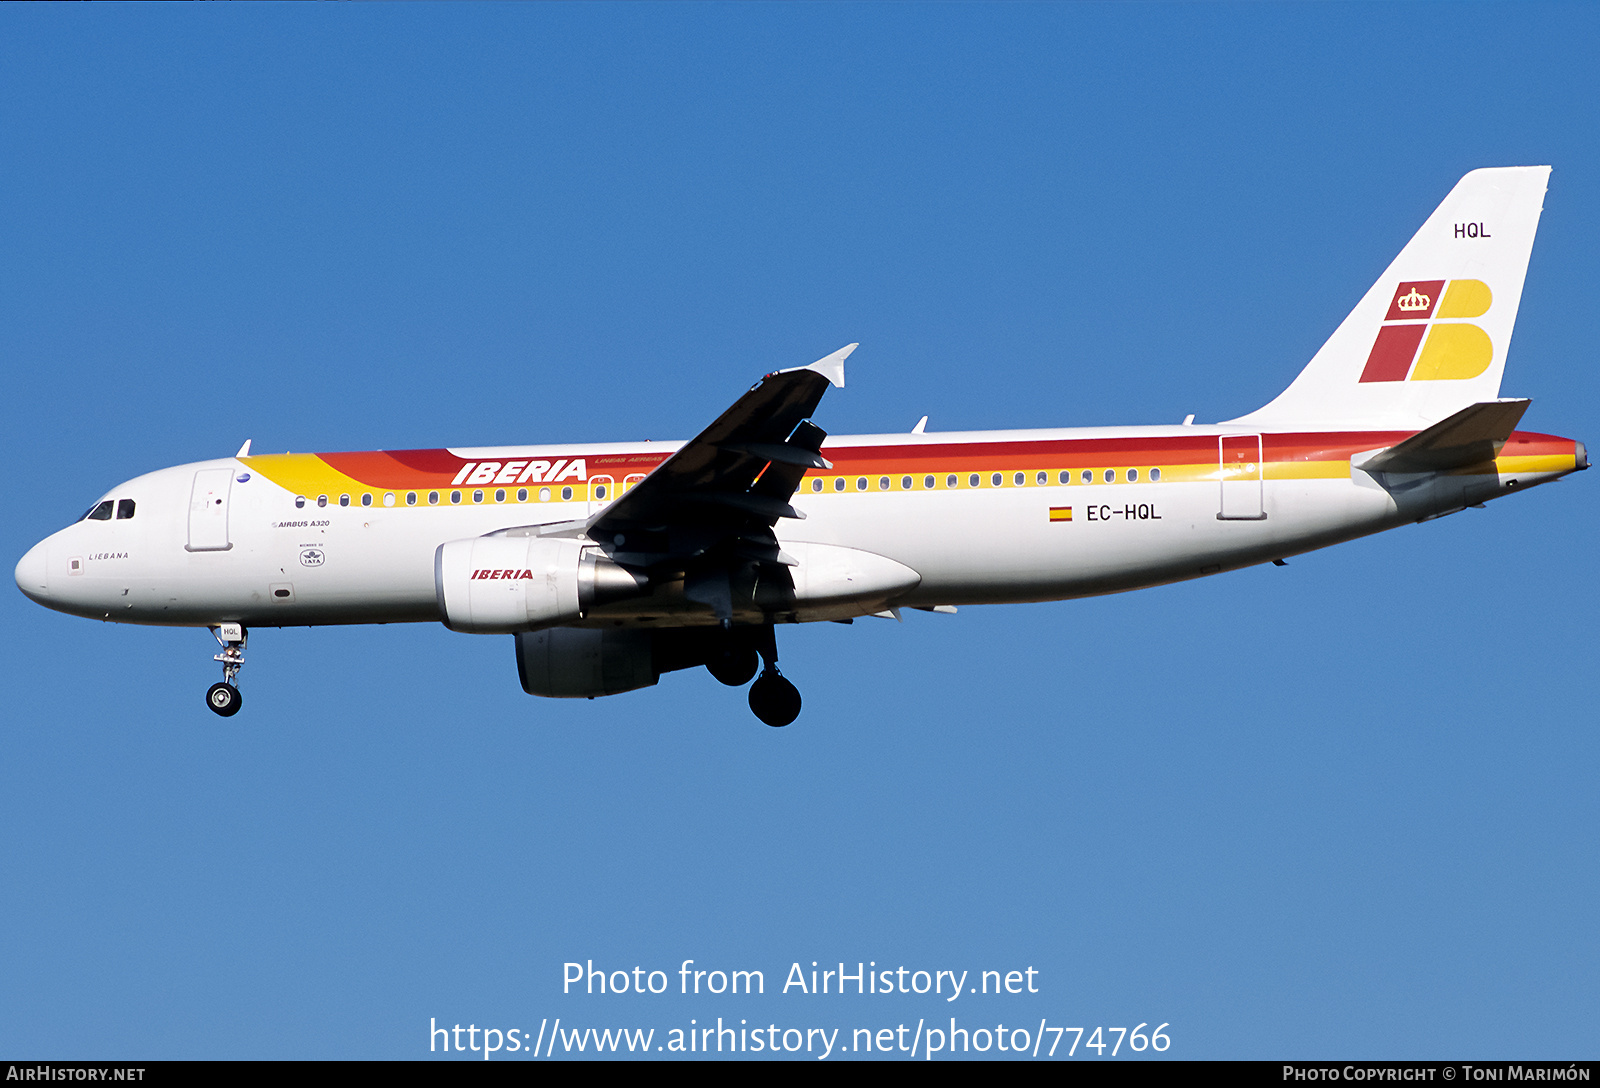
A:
1430	337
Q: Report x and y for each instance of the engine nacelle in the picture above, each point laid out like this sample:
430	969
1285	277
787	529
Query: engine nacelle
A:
583	663
491	585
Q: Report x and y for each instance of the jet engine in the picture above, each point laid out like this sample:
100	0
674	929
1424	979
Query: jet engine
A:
583	663
501	584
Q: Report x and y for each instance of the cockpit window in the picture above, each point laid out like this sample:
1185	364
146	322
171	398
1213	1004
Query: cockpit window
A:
124	509
99	512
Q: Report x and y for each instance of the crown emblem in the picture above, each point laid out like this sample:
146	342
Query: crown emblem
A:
1414	301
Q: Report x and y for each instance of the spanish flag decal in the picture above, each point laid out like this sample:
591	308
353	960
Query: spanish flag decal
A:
1061	513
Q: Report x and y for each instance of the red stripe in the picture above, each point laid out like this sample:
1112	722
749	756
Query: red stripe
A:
436	468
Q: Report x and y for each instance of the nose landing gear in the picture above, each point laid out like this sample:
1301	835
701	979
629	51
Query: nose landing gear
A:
224	698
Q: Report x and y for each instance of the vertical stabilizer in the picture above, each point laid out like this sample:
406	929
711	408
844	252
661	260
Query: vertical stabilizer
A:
1431	335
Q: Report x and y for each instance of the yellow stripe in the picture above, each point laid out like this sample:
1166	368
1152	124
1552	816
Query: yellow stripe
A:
309	475
1550	462
304	474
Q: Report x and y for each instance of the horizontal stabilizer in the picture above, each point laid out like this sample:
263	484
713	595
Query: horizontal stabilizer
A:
1471	436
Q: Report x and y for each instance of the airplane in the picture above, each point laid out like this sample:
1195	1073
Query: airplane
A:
612	564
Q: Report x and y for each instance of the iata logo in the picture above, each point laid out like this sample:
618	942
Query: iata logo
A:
1454	350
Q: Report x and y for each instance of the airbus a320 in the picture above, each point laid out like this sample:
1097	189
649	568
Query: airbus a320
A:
612	564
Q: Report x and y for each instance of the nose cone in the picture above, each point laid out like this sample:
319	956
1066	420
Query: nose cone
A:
33	571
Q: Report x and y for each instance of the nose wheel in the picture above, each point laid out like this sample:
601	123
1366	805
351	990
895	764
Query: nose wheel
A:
224	699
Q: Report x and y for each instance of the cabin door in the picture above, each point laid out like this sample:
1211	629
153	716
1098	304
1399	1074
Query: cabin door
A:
208	510
1240	470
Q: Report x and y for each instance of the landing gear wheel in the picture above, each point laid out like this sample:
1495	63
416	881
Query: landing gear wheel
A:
224	699
734	666
774	700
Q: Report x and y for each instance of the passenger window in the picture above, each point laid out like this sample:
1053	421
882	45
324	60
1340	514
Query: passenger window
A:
928	482
1111	475
566	494
1043	478
905	483
299	502
522	494
883	483
861	483
344	500
388	498
838	484
455	498
997	479
366	498
500	495
974	480
411	498
1155	474
1065	477
433	498
600	491
544	494
124	509
1019	479
477	496
816	485
1088	476
1133	475
322	500
952	480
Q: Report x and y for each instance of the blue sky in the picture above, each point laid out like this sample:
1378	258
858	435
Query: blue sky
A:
1345	807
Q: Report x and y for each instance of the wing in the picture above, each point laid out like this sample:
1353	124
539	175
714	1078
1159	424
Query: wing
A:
708	511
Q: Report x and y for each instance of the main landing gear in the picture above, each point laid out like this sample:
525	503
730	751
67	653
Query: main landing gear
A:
772	698
224	698
733	657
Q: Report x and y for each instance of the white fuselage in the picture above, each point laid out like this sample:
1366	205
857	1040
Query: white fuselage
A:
286	560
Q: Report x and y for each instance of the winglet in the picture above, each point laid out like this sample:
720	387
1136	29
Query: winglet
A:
831	367
244	450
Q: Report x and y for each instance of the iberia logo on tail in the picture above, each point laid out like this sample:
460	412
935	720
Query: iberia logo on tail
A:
1432	309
